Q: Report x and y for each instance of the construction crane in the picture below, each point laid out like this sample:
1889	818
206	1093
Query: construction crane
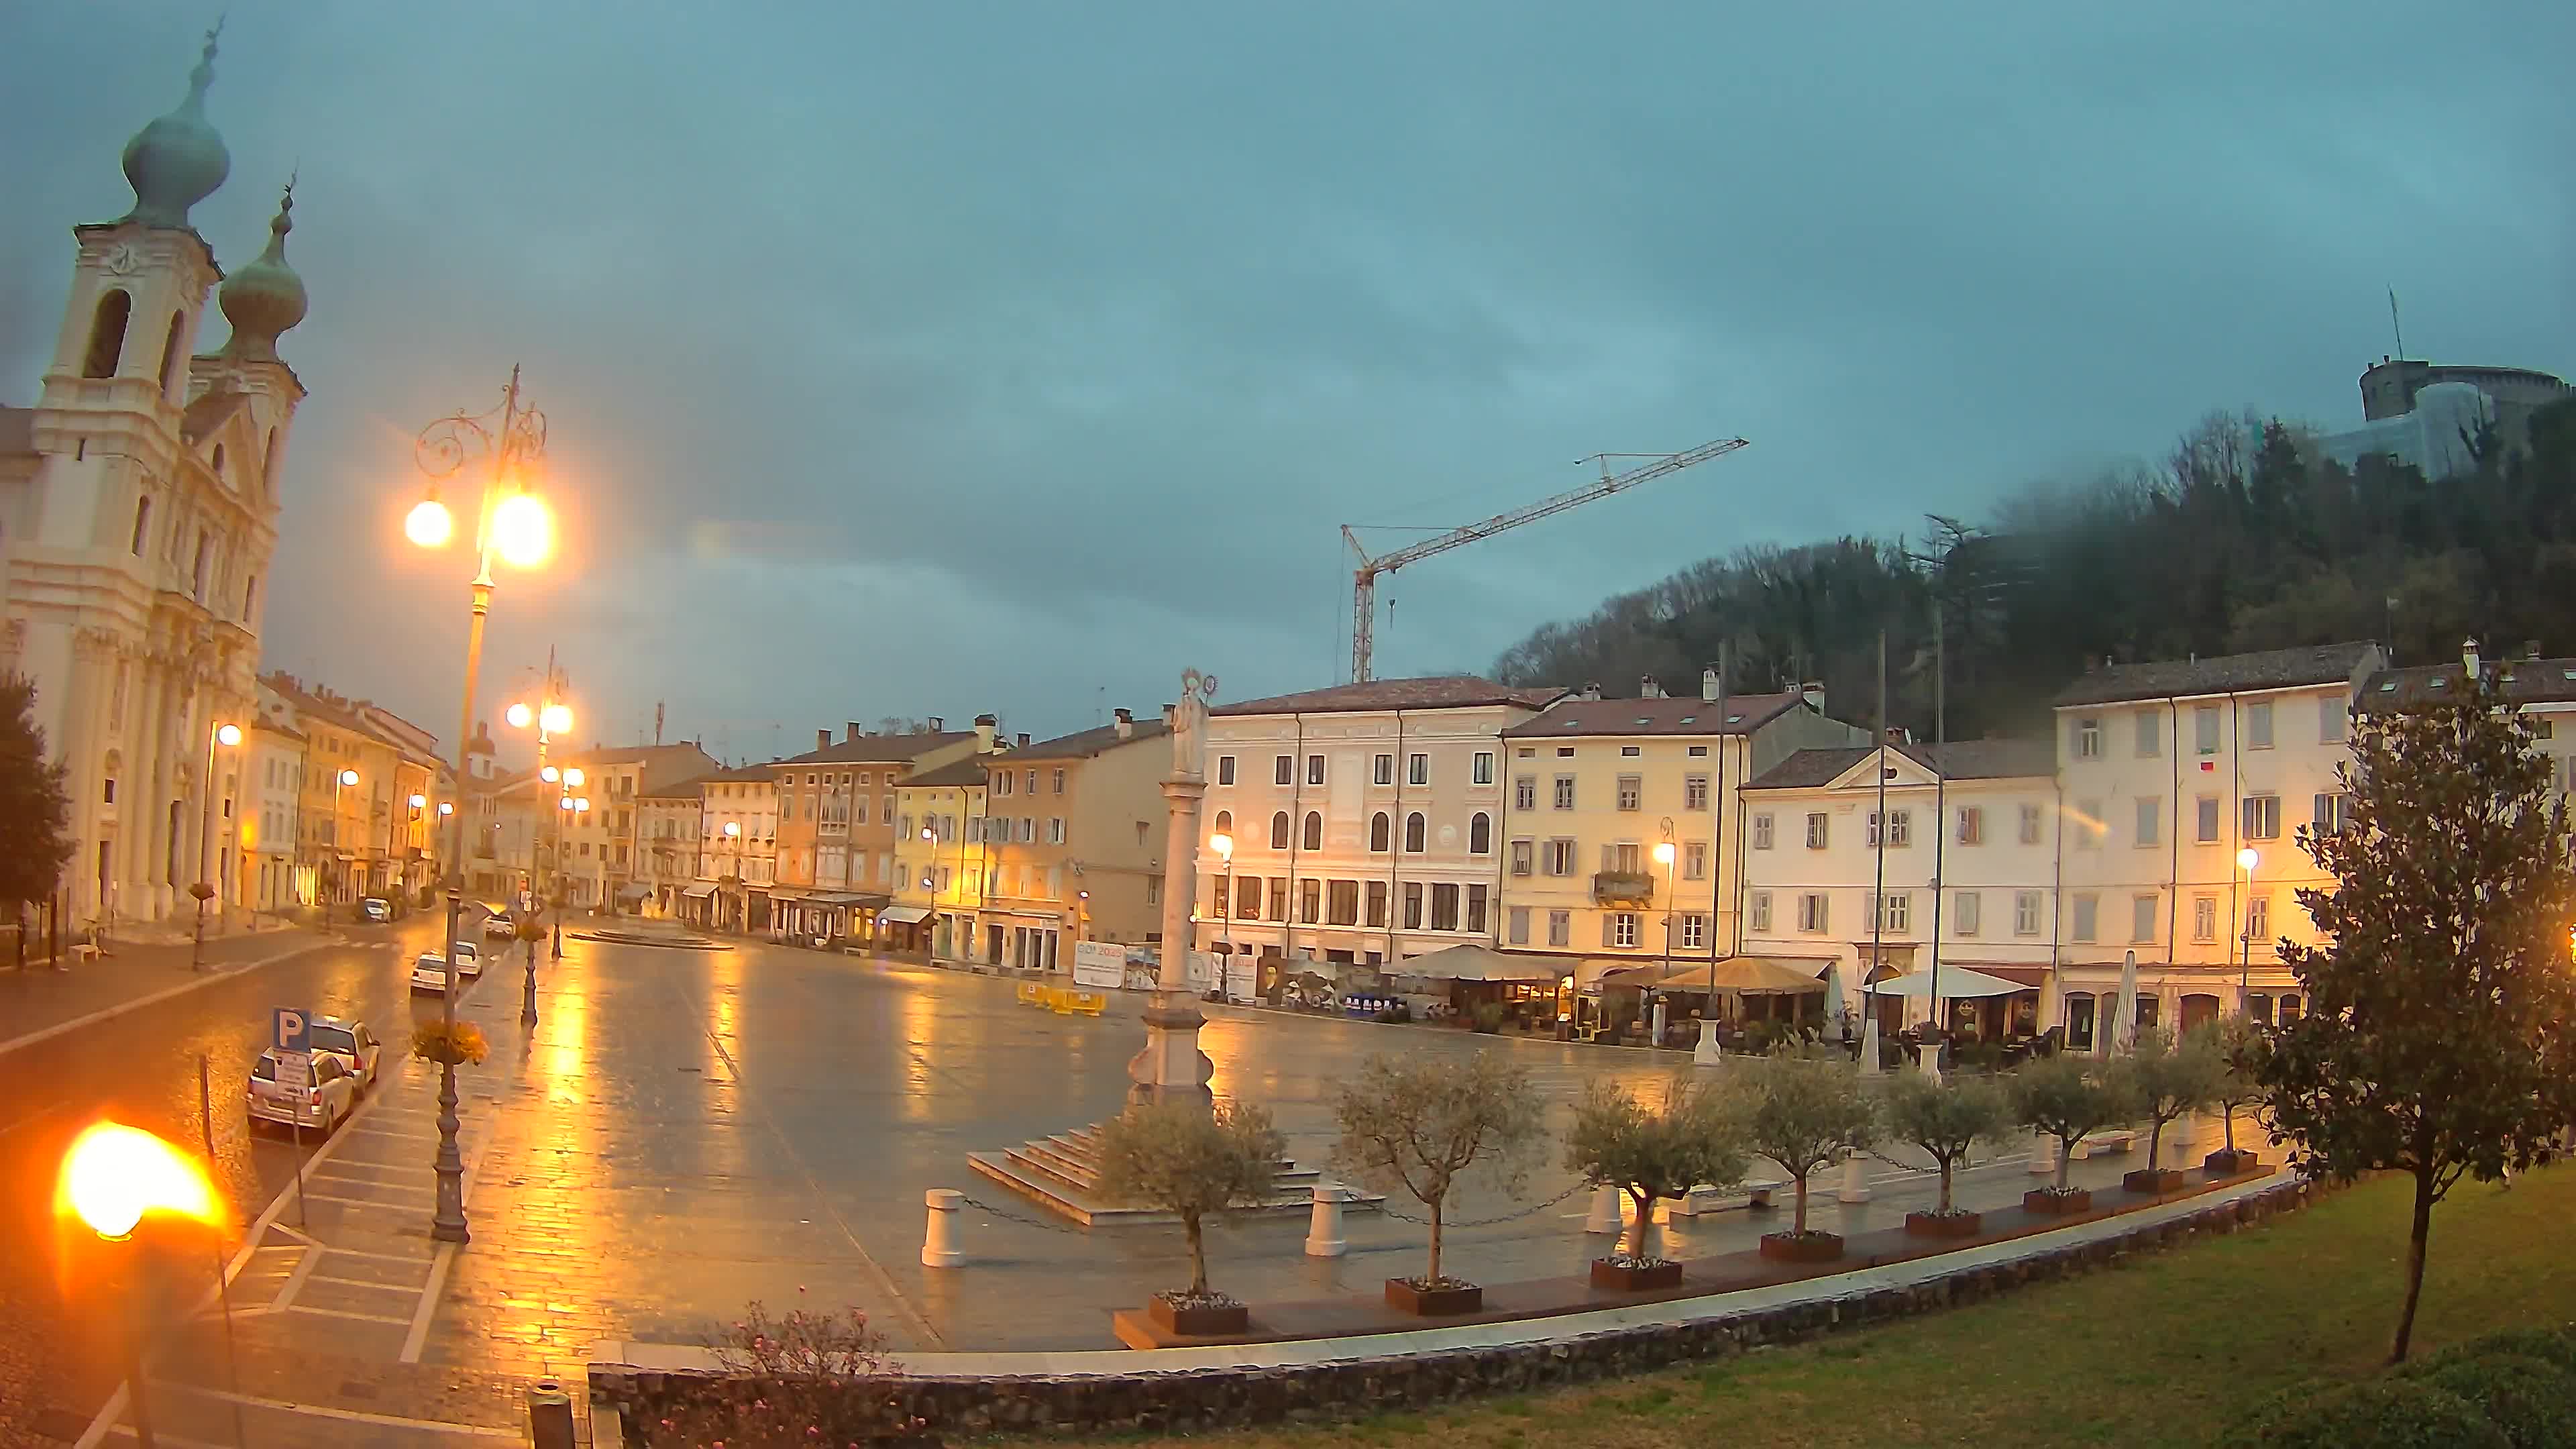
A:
1364	578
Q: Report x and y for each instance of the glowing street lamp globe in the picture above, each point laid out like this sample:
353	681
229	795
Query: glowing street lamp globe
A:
523	532
429	524
518	715
228	735
574	777
114	1174
1663	852
2246	858
549	774
1222	844
557	719
420	802
348	777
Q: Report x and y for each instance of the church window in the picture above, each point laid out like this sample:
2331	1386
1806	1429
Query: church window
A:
197	574
142	524
170	352
107	335
250	598
219	462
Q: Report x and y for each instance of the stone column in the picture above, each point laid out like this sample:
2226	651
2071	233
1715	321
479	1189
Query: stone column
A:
1171	1068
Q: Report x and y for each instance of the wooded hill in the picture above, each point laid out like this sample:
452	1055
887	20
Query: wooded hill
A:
2241	539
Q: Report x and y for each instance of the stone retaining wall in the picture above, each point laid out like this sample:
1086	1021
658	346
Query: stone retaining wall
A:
1233	1397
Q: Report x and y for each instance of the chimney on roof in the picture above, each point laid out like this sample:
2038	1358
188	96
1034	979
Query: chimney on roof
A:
851	731
985	726
1813	692
2530	648
1896	735
1591	690
822	739
1126	723
1649	688
2469	657
938	726
1708	689
1020	741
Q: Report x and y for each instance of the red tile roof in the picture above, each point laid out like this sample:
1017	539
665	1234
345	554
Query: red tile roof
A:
1438	691
1572	718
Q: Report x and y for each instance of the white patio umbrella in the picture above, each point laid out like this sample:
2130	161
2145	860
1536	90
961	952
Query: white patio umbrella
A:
2123	1032
1837	1010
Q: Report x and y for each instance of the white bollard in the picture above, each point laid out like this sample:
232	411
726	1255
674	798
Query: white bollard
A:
2177	1143
1855	1186
1324	1229
1606	1215
1704	1052
2043	1155
939	1240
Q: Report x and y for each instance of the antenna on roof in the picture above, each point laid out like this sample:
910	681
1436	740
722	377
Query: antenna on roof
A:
657	723
2393	325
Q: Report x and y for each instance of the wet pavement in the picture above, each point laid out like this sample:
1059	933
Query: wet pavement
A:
684	1132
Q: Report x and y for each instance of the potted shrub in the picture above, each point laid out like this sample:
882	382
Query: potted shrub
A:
1647	1153
2064	1097
1945	1119
2243	1046
1190	1163
2164	1078
460	1045
1415	1125
1801	1110
1487	1016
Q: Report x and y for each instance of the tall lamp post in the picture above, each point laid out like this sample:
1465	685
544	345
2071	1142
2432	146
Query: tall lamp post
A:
2246	860
222	736
1664	857
513	523
1223	845
340	785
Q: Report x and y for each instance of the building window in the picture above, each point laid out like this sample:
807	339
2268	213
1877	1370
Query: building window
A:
2204	730
1622	857
1525	792
2030	822
1695	860
1619	928
2205	820
1694	933
2088	738
1480	834
2089	825
2258	917
2142	919
1560	857
1522	854
1818	831
1055	830
2204	919
1314	769
1382	769
1516	925
142	524
2150	735
1279	831
1414	832
2150	820
1900	828
1967	911
1314	839
1812	913
2026	913
1377	903
2332	717
2079	1021
1283	770
2258	726
1225	769
1695	792
2088	910
1972	825
1560	928
1380	832
1896	912
1278	897
2333	812
1762	832
1476	898
2262	817
1484	772
1345	903
1310	900
1761	911
1444	907
1631	792
1220	901
1417	770
1565	792
1224	823
107	334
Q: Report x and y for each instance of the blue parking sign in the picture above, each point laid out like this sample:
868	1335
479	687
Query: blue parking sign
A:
287	1029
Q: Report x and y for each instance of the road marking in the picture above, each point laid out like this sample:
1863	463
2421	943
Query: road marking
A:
366	1283
294	1283
344	1313
414	1259
154	998
427	1308
164	1436
354	1416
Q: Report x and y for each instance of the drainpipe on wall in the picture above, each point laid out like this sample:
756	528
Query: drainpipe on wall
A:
1395	844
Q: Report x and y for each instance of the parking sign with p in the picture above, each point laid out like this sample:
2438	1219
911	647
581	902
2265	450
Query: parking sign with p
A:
287	1029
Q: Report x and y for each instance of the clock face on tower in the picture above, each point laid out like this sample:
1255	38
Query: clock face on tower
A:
124	257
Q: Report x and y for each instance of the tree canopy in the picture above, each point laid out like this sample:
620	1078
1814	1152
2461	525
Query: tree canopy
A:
35	814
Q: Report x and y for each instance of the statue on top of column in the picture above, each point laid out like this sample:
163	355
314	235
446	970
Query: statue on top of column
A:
1189	724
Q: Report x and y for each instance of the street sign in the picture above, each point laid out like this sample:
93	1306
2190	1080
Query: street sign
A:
287	1029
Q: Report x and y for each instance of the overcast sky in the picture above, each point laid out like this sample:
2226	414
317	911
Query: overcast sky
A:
934	359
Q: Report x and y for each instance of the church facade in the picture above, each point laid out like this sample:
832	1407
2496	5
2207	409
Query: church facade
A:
139	508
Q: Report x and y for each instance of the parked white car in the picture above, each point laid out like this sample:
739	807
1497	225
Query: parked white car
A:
499	925
350	1041
429	974
469	960
320	1095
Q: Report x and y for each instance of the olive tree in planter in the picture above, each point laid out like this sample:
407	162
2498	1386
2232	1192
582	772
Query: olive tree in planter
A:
2065	1097
1190	1163
1415	1126
1803	1111
1945	1118
2163	1078
1650	1152
2243	1046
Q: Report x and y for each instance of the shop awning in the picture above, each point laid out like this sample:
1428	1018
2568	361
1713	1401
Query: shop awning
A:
1479	963
699	892
1735	975
903	915
1956	982
845	898
788	894
634	892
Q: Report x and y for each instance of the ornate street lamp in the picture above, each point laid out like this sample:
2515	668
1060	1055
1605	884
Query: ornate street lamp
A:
514	524
2246	860
222	736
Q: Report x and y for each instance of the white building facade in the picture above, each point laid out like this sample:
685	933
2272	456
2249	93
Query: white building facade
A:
138	514
1366	819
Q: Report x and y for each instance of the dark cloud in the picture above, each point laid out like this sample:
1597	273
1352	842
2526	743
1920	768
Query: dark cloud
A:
1005	356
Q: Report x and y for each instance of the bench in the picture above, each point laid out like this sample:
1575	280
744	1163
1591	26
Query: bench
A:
83	951
1706	1199
2108	1143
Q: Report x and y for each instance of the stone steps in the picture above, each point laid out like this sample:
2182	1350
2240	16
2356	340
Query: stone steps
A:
1062	1174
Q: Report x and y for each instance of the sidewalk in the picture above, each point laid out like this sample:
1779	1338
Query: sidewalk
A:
42	1001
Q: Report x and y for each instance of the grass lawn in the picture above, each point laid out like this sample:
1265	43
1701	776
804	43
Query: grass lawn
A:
2155	1352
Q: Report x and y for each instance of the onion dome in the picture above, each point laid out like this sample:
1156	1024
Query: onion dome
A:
265	298
178	160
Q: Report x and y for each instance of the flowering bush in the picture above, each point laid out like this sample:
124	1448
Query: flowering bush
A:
436	1041
807	1380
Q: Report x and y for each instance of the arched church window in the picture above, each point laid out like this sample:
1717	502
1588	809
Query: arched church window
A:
1279	831
170	353
219	462
142	523
1314	836
107	334
197	574
250	599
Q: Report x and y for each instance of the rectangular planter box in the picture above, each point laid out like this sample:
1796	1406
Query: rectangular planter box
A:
1938	1225
1609	1275
1208	1321
2224	1163
1813	1248
1434	1303
2153	1180
2040	1200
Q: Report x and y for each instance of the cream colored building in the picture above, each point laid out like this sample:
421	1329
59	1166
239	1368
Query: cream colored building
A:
1074	839
940	857
269	877
1964	873
1367	819
738	851
2168	771
1596	785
